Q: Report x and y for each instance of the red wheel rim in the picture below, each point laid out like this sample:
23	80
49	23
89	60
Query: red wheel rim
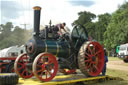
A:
21	68
45	67
94	58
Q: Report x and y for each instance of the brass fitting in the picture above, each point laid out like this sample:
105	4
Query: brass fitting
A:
37	8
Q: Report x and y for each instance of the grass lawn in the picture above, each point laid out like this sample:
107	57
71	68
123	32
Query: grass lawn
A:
113	58
115	73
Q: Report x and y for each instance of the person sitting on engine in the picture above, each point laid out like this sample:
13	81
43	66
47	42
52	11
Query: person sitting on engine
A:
59	28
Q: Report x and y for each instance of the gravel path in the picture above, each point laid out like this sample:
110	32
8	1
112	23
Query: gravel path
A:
117	65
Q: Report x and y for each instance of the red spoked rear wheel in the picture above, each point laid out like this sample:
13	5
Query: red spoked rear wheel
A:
91	58
22	66
45	67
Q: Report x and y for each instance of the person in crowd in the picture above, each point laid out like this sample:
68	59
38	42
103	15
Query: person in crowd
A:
105	61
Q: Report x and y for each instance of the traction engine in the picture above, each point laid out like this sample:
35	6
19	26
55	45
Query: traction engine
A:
47	53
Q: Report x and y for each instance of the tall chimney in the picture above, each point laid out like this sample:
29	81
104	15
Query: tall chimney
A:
37	11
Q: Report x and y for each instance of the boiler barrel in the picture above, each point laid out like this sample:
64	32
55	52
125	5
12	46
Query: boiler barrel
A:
59	49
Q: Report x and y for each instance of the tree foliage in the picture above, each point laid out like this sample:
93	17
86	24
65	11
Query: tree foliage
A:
117	30
95	29
110	30
101	25
10	36
85	18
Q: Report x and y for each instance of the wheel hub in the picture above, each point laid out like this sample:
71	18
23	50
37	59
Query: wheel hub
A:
93	58
43	66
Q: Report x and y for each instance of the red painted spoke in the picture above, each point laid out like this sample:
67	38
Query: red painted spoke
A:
27	73
87	54
91	70
94	49
41	74
89	50
23	72
50	67
49	72
50	62
94	62
86	57
39	71
98	52
44	60
89	65
46	73
95	67
20	68
20	63
22	60
87	60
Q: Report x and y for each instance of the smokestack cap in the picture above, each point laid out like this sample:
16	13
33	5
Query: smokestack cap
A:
37	8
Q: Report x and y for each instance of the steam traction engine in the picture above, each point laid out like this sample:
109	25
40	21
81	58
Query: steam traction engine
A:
46	53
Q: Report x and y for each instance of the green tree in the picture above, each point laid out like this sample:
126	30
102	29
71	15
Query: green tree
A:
95	29
9	38
117	30
101	26
85	18
6	29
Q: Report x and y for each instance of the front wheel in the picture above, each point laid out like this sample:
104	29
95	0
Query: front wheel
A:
22	66
45	67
